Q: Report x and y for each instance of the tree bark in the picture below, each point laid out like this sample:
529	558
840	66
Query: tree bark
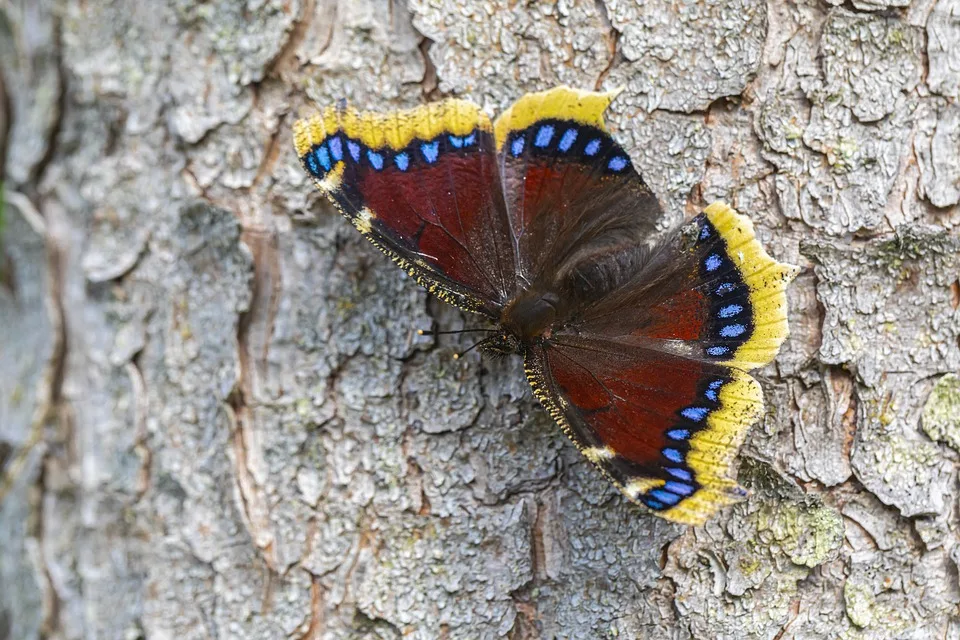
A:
216	417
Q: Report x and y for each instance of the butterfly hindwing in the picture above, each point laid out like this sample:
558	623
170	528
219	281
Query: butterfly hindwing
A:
424	186
663	428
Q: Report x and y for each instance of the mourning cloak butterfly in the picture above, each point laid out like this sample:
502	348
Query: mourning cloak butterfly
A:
636	343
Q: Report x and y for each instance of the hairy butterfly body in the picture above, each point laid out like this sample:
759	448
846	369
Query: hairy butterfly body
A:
636	343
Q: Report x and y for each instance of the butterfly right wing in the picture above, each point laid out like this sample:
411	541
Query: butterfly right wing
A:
663	428
570	188
651	381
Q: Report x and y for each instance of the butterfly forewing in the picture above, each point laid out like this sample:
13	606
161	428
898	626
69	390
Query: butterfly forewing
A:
424	186
570	189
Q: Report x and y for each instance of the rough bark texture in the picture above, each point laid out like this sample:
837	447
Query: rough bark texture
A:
216	419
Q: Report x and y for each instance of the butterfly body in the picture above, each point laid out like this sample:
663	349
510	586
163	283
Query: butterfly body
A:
637	343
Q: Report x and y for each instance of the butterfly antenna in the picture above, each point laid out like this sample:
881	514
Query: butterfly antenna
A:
457	356
421	332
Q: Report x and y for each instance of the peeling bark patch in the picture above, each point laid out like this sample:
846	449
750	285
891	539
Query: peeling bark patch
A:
890	457
684	56
943	49
838	149
888	303
941	411
937	146
494	51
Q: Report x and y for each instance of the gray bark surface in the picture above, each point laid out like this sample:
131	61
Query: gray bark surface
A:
217	419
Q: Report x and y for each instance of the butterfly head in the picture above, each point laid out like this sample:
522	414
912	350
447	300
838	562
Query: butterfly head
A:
501	344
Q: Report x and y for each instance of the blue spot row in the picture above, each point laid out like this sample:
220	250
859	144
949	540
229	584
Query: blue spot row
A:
668	495
730	300
321	159
545	135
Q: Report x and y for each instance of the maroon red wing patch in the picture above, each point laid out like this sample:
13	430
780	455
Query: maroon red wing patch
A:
637	343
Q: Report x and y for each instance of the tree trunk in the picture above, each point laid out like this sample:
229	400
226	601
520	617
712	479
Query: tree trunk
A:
216	417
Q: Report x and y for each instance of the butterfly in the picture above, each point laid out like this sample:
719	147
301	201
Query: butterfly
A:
637	343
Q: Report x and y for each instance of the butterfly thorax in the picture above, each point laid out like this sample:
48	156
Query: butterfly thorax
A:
530	314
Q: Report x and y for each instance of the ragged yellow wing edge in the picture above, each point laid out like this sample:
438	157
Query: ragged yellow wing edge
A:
561	103
767	280
713	450
393	129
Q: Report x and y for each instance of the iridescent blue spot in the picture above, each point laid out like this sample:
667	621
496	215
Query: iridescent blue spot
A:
678	434
679	488
729	311
725	288
665	496
717	351
336	149
569	137
470	139
673	455
376	160
323	157
430	151
617	163
653	504
732	330
705	233
710	394
716	384
516	147
681	474
312	164
354	150
712	263
456	141
544	136
695	413
402	160
592	147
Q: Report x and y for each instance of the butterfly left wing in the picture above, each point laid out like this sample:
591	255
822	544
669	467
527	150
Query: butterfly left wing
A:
423	185
650	381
